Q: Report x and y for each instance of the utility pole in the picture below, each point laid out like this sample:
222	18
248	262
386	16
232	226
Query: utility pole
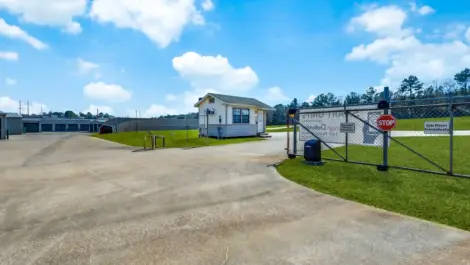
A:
20	107
136	114
27	102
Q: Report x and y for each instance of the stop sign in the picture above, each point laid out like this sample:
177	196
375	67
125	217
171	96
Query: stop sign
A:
386	122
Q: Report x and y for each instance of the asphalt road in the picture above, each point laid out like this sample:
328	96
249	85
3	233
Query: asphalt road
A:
72	199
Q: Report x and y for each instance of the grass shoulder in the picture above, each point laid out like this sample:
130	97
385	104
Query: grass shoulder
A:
436	198
173	139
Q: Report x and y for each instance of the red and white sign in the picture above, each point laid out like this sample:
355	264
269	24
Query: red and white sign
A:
386	122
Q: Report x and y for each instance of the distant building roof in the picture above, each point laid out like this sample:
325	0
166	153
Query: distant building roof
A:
238	100
13	115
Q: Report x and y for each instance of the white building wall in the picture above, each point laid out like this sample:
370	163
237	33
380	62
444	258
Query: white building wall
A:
219	107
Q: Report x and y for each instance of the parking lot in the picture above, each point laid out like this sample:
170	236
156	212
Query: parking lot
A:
74	199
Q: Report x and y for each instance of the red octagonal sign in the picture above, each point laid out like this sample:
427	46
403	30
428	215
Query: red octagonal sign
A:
386	122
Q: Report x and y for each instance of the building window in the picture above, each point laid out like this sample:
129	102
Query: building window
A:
241	115
211	100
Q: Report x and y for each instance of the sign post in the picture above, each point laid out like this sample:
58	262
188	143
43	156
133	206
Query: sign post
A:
385	105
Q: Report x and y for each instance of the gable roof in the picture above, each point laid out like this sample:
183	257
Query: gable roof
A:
237	101
13	115
10	114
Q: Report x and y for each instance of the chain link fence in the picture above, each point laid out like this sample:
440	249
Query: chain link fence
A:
430	135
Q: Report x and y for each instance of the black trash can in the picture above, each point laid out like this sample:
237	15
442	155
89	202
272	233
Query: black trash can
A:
312	150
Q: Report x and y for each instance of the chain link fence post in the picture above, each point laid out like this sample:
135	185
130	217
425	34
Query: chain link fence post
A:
295	138
451	135
346	136
385	140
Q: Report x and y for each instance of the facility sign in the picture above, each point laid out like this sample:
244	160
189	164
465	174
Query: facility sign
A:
326	124
347	127
436	127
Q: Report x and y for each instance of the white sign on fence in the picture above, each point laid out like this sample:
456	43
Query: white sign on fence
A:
436	127
347	127
326	124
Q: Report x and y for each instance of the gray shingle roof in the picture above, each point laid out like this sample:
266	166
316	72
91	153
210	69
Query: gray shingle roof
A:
241	101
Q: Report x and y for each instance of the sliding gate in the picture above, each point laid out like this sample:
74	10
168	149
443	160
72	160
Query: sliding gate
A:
430	138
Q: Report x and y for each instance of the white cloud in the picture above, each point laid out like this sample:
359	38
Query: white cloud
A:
422	10
209	72
170	97
407	55
93	108
73	28
381	50
207	5
310	98
107	92
156	110
8	104
9	56
57	13
275	95
10	81
14	32
161	21
384	21
84	67
454	31
205	74
467	35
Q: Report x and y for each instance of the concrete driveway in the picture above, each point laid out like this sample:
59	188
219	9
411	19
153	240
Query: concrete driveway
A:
72	199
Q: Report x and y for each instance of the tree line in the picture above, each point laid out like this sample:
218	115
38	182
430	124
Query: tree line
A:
411	88
72	115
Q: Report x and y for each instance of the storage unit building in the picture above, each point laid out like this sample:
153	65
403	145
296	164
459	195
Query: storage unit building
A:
3	125
14	124
231	116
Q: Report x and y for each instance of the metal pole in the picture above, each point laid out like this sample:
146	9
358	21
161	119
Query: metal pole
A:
288	121
295	138
451	132
385	139
346	135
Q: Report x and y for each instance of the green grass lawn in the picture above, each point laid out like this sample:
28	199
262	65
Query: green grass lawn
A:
432	197
284	129
173	139
460	123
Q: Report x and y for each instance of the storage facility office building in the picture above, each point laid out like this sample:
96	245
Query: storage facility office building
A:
231	116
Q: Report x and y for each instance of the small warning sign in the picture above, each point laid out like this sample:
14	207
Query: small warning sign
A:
347	127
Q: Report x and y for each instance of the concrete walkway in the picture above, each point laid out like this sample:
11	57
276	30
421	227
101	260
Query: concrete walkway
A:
72	199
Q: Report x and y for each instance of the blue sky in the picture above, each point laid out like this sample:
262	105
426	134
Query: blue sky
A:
82	56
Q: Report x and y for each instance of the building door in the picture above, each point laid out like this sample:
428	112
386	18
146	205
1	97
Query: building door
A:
31	127
260	121
46	127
